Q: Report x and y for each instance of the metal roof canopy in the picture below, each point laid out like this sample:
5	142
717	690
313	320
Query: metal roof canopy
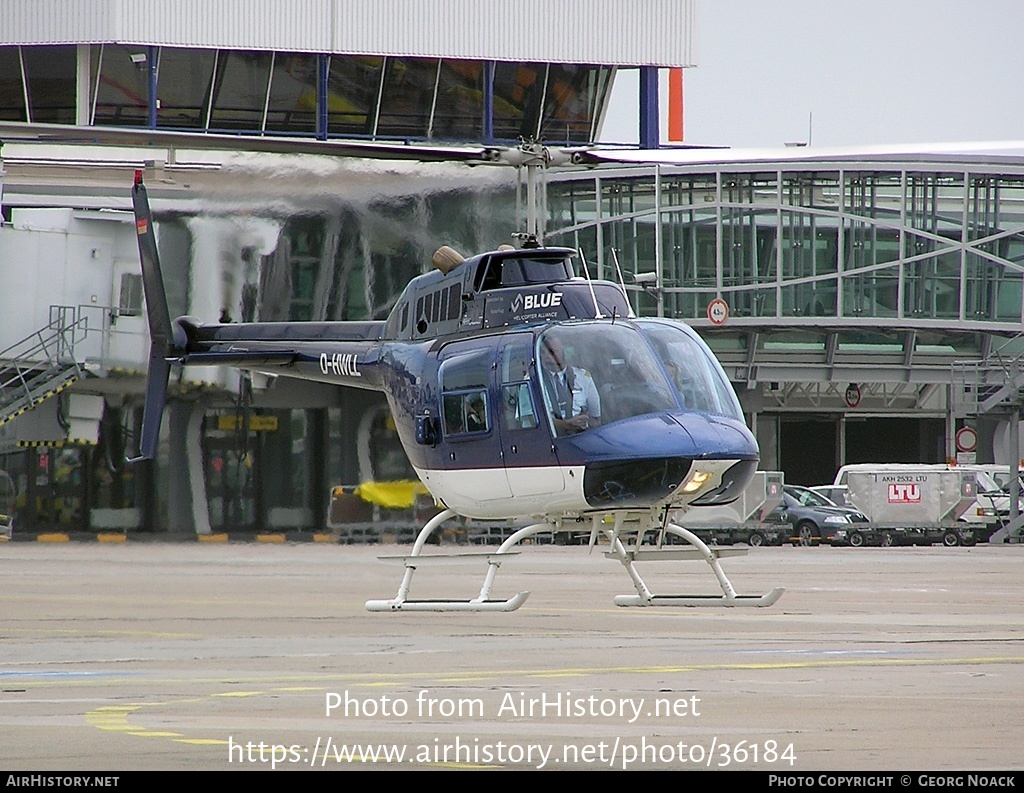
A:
612	32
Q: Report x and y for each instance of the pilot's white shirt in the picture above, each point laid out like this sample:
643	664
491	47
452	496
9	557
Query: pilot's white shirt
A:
585	398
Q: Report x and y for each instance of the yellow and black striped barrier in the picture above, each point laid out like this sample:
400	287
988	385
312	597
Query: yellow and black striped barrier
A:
62	444
37	401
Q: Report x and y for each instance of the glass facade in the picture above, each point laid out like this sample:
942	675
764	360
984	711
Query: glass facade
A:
287	93
120	86
888	246
49	84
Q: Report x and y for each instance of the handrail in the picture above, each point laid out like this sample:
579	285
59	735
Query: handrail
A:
32	364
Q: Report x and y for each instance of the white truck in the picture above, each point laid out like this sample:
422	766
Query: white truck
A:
742	521
918	504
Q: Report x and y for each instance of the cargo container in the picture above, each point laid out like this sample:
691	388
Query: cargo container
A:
918	505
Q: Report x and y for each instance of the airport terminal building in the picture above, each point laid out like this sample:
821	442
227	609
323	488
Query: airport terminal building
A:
852	281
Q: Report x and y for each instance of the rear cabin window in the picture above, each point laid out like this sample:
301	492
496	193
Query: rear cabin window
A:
464	394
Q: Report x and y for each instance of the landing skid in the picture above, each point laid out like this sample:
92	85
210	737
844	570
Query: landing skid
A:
482	602
626	555
698	549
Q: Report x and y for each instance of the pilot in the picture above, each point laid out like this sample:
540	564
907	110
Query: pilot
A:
575	403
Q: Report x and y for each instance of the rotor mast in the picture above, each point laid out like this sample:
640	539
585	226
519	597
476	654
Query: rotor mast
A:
536	159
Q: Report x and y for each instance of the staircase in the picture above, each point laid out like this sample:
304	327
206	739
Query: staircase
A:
994	385
41	365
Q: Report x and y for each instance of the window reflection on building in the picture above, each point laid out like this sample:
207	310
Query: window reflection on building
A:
279	92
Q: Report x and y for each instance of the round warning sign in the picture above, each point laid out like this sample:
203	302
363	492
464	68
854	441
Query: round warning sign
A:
966	439
718	311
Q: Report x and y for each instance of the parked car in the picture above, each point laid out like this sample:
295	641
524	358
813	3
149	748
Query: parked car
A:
813	518
837	494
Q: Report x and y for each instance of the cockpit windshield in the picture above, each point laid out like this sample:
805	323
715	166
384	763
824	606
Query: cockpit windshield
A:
696	376
595	373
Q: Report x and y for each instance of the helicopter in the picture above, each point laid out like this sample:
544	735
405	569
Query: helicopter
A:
520	392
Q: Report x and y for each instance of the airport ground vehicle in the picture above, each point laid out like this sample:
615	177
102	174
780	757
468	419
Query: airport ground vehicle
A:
1000	474
811	518
744	520
837	494
994	499
918	505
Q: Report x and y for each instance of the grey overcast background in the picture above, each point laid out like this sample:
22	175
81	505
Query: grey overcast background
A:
863	72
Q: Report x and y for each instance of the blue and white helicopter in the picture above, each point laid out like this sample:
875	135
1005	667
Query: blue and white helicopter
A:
519	391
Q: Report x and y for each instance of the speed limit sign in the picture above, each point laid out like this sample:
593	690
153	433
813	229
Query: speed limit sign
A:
966	439
718	311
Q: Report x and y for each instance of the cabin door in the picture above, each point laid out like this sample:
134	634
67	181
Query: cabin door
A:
530	463
470	443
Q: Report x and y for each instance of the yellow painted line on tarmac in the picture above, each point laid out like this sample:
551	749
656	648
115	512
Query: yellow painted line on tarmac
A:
558	674
53	537
112	718
111	537
324	538
212	538
202	741
239	694
270	538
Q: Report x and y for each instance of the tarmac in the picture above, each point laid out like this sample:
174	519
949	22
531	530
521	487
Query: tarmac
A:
165	656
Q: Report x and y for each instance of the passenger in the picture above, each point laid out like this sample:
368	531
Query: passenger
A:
476	414
576	405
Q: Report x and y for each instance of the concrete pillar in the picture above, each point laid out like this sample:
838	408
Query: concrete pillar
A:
186	480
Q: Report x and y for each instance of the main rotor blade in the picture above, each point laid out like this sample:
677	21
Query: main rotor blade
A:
156	397
160	330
